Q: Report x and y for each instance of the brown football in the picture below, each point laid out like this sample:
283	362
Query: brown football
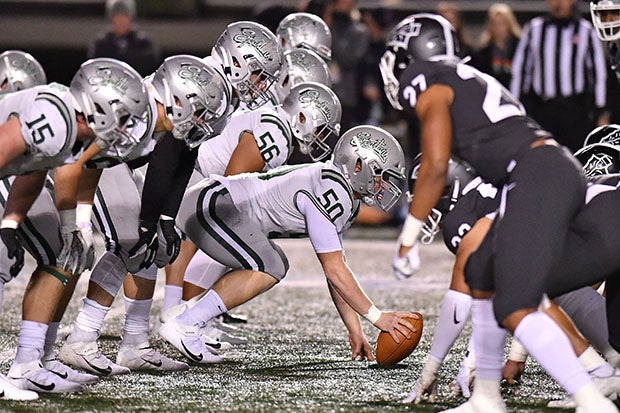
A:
389	352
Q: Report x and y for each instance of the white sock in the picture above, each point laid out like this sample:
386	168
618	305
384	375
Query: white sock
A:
30	341
137	313
547	343
50	340
172	296
91	316
489	340
453	315
208	307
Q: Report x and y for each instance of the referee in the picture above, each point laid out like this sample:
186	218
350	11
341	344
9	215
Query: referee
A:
559	73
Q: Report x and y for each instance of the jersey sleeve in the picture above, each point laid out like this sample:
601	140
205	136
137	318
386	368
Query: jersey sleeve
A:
321	230
273	138
48	126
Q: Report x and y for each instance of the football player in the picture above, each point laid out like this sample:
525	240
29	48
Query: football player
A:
464	110
318	200
190	102
41	113
305	31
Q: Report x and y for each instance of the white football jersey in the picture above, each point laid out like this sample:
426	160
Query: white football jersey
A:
271	132
270	198
48	126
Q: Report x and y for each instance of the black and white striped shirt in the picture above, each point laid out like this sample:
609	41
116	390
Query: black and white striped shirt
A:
559	58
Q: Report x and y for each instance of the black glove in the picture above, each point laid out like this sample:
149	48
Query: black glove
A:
173	239
147	243
14	249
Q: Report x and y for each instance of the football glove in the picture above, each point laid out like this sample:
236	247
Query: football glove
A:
405	267
147	243
14	249
86	229
71	257
172	237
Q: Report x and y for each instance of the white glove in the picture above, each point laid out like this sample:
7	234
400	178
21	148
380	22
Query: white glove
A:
464	381
70	257
405	267
84	224
426	385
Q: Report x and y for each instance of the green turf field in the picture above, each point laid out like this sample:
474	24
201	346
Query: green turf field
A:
297	359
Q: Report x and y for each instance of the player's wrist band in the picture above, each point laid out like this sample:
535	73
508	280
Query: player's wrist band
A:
373	314
67	217
411	230
9	223
83	213
517	351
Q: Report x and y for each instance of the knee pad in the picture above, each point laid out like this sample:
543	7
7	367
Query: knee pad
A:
278	267
147	273
109	273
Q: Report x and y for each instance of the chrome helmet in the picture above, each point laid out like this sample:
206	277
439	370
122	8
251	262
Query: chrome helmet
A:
422	36
604	134
19	70
195	95
301	65
599	159
460	175
113	99
373	162
313	111
307	31
251	58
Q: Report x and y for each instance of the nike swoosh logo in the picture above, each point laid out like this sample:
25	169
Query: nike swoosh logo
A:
105	371
456	320
190	354
154	363
61	375
46	387
216	346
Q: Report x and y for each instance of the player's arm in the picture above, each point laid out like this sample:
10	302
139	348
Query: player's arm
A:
246	157
433	110
12	142
67	179
24	191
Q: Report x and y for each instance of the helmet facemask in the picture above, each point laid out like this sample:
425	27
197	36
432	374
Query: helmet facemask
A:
606	19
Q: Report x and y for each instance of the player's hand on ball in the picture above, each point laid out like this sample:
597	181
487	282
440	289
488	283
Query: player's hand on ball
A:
393	321
407	265
393	346
360	347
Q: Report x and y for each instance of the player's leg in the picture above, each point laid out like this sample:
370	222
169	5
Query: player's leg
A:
175	272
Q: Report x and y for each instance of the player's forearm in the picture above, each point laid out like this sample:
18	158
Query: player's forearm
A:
172	202
349	316
24	191
88	185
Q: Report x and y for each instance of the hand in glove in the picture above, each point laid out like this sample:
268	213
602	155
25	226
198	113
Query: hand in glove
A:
147	243
404	267
71	257
14	248
172	237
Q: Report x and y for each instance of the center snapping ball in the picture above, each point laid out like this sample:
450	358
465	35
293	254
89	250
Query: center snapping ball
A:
389	352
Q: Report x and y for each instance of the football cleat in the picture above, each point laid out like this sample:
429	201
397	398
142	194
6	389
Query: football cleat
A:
145	357
426	385
609	386
86	356
33	376
65	372
187	339
479	403
172	312
9	391
213	331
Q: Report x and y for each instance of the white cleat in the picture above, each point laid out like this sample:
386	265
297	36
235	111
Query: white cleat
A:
145	357
480	404
86	356
65	372
187	339
9	391
33	376
609	386
215	334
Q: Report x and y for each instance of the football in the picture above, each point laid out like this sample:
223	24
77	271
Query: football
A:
389	352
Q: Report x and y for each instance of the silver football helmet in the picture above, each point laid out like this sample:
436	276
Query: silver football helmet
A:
195	95
373	162
599	159
301	65
313	111
606	21
113	99
251	58
460	176
422	36
19	70
604	134
307	31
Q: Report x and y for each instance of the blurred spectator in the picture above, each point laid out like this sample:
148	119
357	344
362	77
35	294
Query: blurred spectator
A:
121	41
270	14
559	72
498	43
452	13
350	42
